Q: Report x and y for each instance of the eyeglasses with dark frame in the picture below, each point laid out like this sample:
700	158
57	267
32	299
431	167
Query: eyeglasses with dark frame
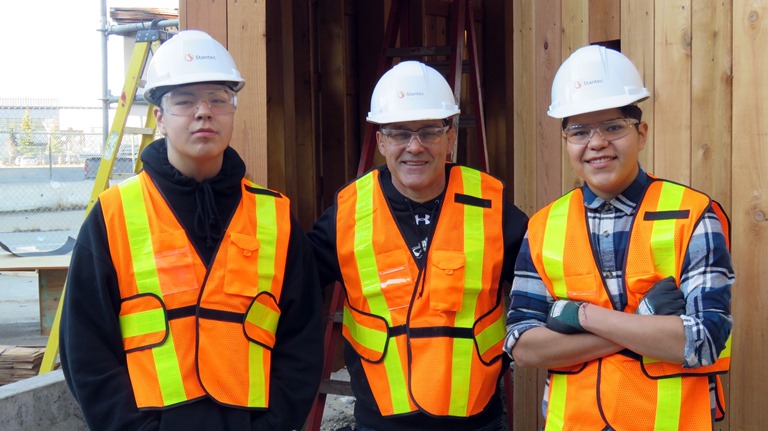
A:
185	103
611	130
426	135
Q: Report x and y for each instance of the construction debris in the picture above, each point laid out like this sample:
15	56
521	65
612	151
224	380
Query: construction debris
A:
19	363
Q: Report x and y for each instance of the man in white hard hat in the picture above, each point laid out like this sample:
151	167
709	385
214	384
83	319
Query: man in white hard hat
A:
192	298
623	284
422	248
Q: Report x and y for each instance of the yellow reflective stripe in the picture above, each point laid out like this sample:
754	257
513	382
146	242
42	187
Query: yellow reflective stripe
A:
663	233
266	233
369	279
168	372
263	317
556	406
490	336
726	353
147	281
553	246
142	323
369	338
139	237
474	247
257	384
668	403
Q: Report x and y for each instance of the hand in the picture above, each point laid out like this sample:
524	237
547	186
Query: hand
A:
663	299
564	317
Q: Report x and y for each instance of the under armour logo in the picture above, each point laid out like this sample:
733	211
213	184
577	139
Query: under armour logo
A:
424	219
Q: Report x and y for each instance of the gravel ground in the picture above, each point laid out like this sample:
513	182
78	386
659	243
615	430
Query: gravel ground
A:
338	412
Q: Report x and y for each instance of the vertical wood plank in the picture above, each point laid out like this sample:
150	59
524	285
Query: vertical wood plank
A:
335	156
672	128
305	191
494	77
246	21
279	85
638	43
548	57
576	24
748	402
207	15
605	20
712	59
520	61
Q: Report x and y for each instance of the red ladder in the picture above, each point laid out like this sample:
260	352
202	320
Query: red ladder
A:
398	24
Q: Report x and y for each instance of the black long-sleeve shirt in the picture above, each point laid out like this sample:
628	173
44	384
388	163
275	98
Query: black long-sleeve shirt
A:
92	354
416	222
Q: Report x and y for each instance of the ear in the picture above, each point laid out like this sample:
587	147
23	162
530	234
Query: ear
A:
380	142
160	120
642	134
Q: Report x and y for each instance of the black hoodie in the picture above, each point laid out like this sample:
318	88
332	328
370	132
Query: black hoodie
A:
92	353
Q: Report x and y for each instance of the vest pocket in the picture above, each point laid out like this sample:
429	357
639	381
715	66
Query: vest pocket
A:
143	322
241	273
395	280
173	260
489	334
261	319
368	334
582	287
446	280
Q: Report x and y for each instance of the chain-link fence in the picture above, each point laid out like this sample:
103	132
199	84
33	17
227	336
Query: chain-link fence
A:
49	156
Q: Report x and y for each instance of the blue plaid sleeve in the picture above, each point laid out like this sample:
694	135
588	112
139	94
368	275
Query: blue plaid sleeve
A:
529	299
707	276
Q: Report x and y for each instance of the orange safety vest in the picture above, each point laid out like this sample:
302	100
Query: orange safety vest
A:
190	331
430	339
623	390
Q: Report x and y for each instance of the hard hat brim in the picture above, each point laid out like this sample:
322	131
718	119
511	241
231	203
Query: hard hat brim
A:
418	115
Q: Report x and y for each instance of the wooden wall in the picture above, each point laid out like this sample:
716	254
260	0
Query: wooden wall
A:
310	67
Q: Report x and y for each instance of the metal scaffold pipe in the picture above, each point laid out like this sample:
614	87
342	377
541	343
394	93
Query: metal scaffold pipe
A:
132	28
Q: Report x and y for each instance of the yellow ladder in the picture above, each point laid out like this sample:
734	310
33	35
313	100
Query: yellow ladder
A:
147	42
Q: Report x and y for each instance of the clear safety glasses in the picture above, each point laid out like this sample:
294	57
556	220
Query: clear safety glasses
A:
581	134
426	135
186	103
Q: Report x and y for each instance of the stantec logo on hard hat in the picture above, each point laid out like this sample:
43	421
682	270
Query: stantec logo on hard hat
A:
191	57
578	84
404	94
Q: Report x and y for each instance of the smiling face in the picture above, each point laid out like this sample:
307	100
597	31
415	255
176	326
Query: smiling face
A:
196	143
418	170
608	167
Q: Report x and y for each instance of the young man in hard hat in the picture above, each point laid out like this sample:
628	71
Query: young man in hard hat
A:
422	248
623	285
192	298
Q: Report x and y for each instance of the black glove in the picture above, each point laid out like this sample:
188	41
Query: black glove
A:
663	299
564	317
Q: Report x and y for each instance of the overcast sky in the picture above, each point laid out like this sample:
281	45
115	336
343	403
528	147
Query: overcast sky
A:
52	49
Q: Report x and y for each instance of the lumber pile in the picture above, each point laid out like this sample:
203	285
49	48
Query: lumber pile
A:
18	363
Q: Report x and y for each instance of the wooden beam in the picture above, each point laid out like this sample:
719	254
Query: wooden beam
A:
247	44
209	16
712	79
672	98
638	43
604	20
748	403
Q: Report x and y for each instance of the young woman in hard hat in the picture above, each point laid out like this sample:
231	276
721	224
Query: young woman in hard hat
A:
192	297
623	284
421	247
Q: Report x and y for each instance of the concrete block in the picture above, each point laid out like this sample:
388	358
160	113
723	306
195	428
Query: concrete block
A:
40	403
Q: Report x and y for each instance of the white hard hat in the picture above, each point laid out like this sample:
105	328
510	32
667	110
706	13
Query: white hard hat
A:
594	78
191	56
411	91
